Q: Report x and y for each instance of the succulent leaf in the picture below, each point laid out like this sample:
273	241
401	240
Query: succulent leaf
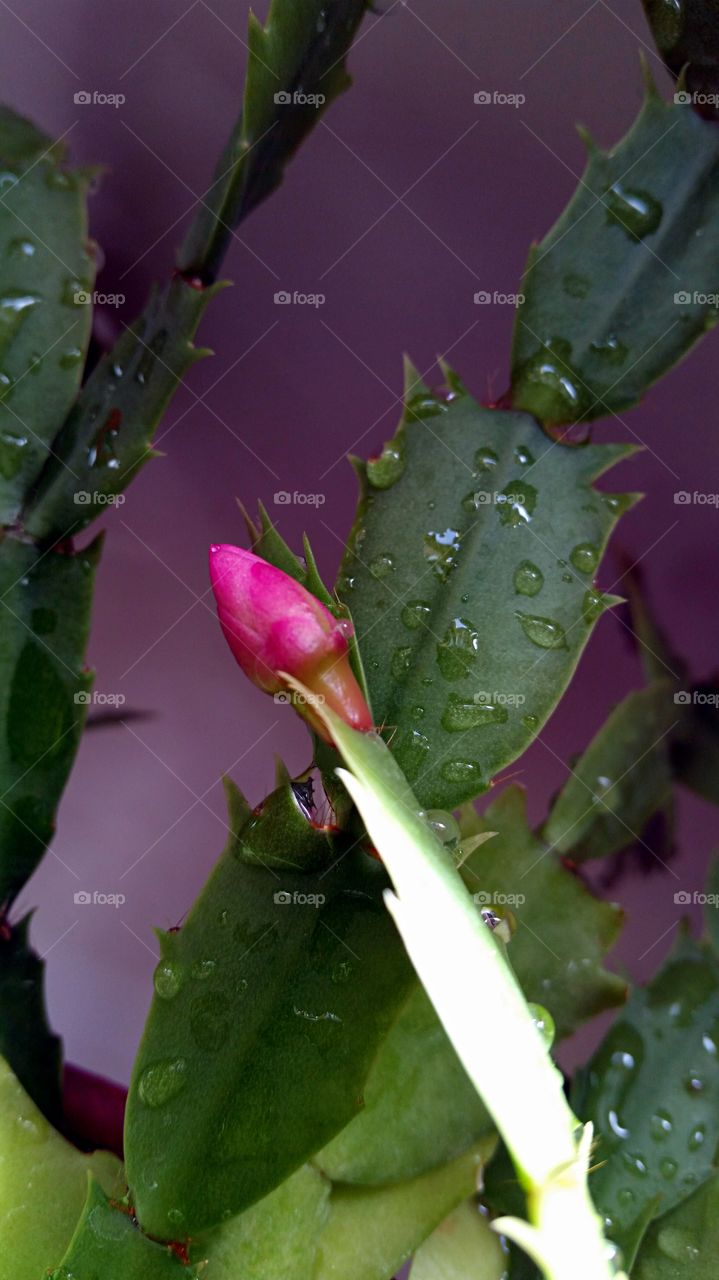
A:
26	1042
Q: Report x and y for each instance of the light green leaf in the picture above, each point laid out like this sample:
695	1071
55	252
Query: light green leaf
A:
47	276
371	1232
43	1184
563	931
463	1247
296	67
420	1109
628	279
276	1238
470	578
621	781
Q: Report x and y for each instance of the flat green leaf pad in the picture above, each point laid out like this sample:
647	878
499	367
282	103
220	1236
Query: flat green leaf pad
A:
623	778
271	1002
652	1091
563	931
44	617
470	579
46	280
108	1245
628	278
683	1244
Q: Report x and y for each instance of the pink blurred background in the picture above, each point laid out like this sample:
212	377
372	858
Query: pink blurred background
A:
404	203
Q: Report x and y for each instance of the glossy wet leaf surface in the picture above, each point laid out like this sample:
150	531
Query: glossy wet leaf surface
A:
27	1044
270	1006
108	435
420	1108
622	779
652	1091
43	1185
683	1244
296	67
44	618
563	931
486	509
628	278
371	1232
108	1246
47	276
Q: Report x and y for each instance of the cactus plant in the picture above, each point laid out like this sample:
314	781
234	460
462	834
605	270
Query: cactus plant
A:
347	1062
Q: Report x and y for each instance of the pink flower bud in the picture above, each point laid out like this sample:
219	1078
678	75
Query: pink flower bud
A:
275	627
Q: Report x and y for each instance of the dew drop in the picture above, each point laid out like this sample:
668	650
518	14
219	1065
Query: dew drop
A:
668	1169
401	662
516	503
444	825
677	1245
441	550
467	772
21	248
415	614
382	565
12	449
167	980
412	751
636	212
611	350
575	285
203	969
457	652
555	389
696	1137
424	405
58	180
543	632
387	469
461	714
523	456
71	357
530	722
660	1126
593	605
584	557
162	1082
485	459
528	579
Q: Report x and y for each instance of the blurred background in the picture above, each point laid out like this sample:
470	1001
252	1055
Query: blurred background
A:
407	200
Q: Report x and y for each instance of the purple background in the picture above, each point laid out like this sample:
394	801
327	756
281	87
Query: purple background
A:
405	203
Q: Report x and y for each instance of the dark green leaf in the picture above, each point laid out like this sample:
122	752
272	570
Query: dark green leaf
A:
652	1092
26	1041
628	278
421	1110
683	1244
44	617
299	54
621	781
563	931
108	435
270	1008
687	36
695	755
46	281
107	1245
472	612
